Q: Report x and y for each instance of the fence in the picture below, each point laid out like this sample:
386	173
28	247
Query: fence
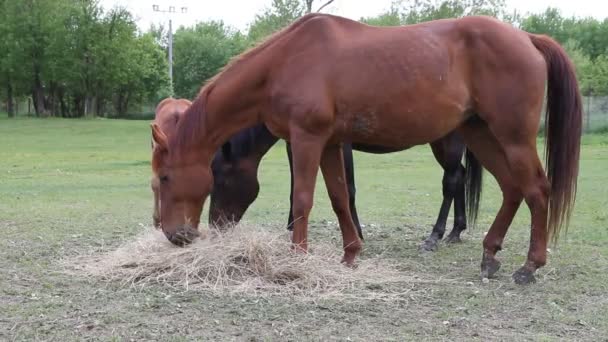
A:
595	114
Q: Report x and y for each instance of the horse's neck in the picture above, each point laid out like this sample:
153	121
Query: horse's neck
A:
234	102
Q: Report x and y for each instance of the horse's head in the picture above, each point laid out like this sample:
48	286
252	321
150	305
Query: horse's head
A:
181	180
184	182
235	186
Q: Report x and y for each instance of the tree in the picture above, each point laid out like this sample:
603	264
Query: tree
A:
280	14
200	52
583	65
412	12
550	22
73	59
392	17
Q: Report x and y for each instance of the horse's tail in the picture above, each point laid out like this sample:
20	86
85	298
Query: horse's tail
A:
473	185
563	125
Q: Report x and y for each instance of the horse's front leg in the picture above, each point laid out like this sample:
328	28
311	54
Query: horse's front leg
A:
332	166
156	213
306	153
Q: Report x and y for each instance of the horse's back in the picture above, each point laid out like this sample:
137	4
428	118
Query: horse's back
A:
427	77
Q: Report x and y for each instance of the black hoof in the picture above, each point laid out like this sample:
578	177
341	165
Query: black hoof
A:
453	239
524	276
489	266
429	245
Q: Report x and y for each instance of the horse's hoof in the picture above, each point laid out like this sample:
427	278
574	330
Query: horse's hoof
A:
524	276
453	239
489	266
349	261
429	245
299	248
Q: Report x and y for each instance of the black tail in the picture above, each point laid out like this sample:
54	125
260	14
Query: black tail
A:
472	186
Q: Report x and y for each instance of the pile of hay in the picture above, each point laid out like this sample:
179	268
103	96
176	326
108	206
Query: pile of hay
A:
245	259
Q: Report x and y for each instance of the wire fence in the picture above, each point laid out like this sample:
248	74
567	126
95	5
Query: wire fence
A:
595	112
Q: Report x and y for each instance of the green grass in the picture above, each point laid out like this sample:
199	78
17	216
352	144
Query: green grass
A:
68	187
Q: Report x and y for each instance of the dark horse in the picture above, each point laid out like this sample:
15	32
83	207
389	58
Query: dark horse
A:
236	186
324	80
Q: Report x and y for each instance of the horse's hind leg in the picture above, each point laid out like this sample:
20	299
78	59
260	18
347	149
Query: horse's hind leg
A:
332	166
448	153
290	159
460	219
349	168
527	172
432	241
456	148
487	150
516	137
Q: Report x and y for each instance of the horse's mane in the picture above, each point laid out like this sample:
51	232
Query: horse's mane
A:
192	122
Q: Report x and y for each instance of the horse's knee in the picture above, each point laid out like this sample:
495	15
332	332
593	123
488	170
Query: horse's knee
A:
537	195
302	204
453	181
511	194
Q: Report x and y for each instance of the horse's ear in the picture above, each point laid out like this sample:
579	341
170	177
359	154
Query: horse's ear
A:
158	136
227	151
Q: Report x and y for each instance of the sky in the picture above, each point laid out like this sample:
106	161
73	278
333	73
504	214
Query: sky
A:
240	13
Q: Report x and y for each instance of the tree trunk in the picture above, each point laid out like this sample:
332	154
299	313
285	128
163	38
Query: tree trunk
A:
62	105
309	6
38	94
78	106
10	101
88	105
122	103
99	105
51	103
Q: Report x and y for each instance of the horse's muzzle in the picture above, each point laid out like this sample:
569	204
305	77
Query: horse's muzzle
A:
183	236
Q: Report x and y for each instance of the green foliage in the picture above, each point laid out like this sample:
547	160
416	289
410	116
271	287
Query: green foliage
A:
73	59
200	52
583	64
598	76
280	14
392	17
425	10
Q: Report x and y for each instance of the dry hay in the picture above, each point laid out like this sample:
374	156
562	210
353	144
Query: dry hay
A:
246	260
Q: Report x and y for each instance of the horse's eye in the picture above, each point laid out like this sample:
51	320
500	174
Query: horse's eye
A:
164	179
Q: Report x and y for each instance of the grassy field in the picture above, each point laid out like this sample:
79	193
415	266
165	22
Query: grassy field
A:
71	186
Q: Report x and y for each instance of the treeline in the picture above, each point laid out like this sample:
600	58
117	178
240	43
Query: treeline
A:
72	59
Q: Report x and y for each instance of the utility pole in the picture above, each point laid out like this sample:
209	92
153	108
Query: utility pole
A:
170	11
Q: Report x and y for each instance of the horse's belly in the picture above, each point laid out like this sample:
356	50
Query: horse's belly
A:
400	130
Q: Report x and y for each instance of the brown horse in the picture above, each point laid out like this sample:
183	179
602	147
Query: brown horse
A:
166	115
325	79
